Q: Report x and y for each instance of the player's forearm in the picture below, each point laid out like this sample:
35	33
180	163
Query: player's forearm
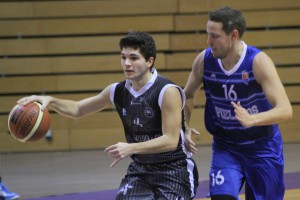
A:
64	107
157	145
273	116
188	109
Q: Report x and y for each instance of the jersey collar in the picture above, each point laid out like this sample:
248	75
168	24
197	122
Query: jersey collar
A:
144	88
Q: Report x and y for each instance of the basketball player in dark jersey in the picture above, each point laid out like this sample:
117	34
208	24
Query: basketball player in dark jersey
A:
151	109
245	100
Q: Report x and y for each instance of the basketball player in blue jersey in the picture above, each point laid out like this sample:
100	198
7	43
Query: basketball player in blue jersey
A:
245	100
5	193
151	109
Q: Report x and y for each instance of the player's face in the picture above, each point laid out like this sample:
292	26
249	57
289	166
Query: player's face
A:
217	39
134	64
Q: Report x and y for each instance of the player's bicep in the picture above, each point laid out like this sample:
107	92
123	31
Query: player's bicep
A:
266	75
171	111
95	103
196	76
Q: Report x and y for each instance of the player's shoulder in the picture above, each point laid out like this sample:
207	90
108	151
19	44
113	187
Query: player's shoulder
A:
163	80
261	58
203	54
119	85
198	63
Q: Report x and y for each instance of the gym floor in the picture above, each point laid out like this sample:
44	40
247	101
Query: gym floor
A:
34	175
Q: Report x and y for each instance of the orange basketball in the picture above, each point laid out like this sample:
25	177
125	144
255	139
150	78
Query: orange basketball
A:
28	123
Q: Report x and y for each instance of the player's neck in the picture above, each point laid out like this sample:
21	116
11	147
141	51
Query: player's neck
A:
233	56
140	83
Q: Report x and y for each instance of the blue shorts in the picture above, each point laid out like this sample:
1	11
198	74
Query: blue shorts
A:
260	165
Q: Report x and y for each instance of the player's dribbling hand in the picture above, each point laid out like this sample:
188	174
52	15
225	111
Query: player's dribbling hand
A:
189	143
44	100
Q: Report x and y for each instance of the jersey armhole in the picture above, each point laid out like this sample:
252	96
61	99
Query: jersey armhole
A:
161	94
112	92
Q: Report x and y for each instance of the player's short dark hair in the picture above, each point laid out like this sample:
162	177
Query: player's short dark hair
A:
142	41
230	18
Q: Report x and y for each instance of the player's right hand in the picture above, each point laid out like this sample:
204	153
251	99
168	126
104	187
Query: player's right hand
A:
44	100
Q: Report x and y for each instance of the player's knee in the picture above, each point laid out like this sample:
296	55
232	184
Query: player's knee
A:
222	197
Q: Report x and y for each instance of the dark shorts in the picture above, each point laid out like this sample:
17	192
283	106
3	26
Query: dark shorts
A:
172	180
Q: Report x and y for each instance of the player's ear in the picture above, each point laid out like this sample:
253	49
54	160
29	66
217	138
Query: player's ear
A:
150	61
235	34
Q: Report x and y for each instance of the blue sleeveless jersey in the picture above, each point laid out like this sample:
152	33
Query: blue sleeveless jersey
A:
221	87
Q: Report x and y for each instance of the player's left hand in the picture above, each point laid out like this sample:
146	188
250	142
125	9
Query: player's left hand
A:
118	152
189	143
242	115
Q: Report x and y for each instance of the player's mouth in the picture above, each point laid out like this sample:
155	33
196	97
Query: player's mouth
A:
128	72
214	51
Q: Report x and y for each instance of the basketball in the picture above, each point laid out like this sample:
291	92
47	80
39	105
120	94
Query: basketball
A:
28	123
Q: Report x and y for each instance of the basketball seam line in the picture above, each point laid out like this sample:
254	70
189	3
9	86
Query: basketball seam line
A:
36	125
9	118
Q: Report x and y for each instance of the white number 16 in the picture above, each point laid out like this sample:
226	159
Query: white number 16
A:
218	179
229	94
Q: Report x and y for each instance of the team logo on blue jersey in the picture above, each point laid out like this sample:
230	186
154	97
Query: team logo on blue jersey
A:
213	76
245	77
149	112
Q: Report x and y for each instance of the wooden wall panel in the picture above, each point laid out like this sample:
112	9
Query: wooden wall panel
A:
71	45
289	75
284	56
260	39
38	9
59	143
95	138
267	19
80	26
67	64
195	6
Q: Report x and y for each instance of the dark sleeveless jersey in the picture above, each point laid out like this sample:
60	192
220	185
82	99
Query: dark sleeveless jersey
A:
239	84
142	118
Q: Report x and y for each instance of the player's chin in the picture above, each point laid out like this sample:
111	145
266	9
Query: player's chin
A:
215	55
129	76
